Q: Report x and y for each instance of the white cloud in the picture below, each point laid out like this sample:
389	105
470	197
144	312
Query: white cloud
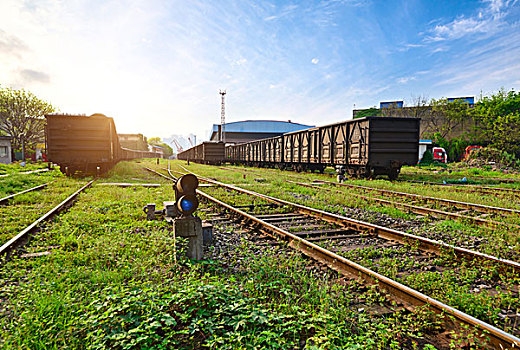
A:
486	67
439	49
315	61
488	21
404	80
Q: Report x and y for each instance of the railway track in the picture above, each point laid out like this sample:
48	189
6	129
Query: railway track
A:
27	172
495	191
7	248
479	178
464	207
447	202
318	226
419	209
6	199
470	188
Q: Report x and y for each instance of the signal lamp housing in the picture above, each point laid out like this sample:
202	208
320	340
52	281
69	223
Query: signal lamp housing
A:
186	201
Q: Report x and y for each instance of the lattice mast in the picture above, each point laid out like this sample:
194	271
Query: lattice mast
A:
223	116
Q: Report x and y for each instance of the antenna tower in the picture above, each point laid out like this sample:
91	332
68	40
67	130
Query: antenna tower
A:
223	117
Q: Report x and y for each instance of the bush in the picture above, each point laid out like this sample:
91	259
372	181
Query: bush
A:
427	158
488	154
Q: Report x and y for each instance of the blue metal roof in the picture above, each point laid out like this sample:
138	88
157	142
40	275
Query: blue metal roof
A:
262	126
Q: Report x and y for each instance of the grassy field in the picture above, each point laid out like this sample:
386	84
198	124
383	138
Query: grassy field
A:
16	167
114	280
464	286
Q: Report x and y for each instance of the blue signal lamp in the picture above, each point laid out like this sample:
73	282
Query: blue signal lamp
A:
185	194
186	205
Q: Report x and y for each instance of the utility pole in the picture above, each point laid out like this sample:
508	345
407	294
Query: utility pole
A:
223	117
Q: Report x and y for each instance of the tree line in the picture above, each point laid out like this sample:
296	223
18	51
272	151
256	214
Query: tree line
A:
494	121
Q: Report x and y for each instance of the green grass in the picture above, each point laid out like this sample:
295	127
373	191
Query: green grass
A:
16	167
452	285
115	281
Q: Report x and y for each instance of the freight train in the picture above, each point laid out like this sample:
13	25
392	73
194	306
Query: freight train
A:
88	145
364	147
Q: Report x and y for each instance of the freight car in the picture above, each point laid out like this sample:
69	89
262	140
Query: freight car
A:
205	153
84	144
363	147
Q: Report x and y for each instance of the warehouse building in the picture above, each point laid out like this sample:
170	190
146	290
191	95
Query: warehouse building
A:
249	130
133	141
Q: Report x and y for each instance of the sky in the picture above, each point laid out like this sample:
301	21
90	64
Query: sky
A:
157	66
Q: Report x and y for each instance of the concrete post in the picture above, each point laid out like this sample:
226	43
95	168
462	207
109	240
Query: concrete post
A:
191	228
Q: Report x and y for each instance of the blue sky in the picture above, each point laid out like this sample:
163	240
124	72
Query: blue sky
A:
157	66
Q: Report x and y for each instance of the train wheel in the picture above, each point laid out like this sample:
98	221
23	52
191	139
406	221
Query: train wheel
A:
394	174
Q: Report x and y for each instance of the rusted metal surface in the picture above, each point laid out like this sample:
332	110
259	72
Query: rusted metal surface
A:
85	144
16	240
420	210
463	205
36	188
205	153
158	173
410	298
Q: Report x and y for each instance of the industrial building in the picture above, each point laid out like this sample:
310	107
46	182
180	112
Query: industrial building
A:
5	149
133	141
249	130
431	120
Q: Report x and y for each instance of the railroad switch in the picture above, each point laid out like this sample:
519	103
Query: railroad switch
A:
151	213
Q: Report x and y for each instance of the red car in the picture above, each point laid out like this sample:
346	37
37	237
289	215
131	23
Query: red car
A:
440	155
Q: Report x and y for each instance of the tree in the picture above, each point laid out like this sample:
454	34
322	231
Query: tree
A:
420	106
370	112
167	150
498	121
22	117
451	117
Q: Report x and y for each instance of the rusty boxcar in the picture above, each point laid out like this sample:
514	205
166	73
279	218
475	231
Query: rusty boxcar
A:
89	145
363	147
205	153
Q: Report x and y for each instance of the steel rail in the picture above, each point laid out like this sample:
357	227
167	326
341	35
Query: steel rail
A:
484	207
158	173
5	199
409	297
419	210
426	244
498	179
470	188
9	245
26	172
464	187
458	204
